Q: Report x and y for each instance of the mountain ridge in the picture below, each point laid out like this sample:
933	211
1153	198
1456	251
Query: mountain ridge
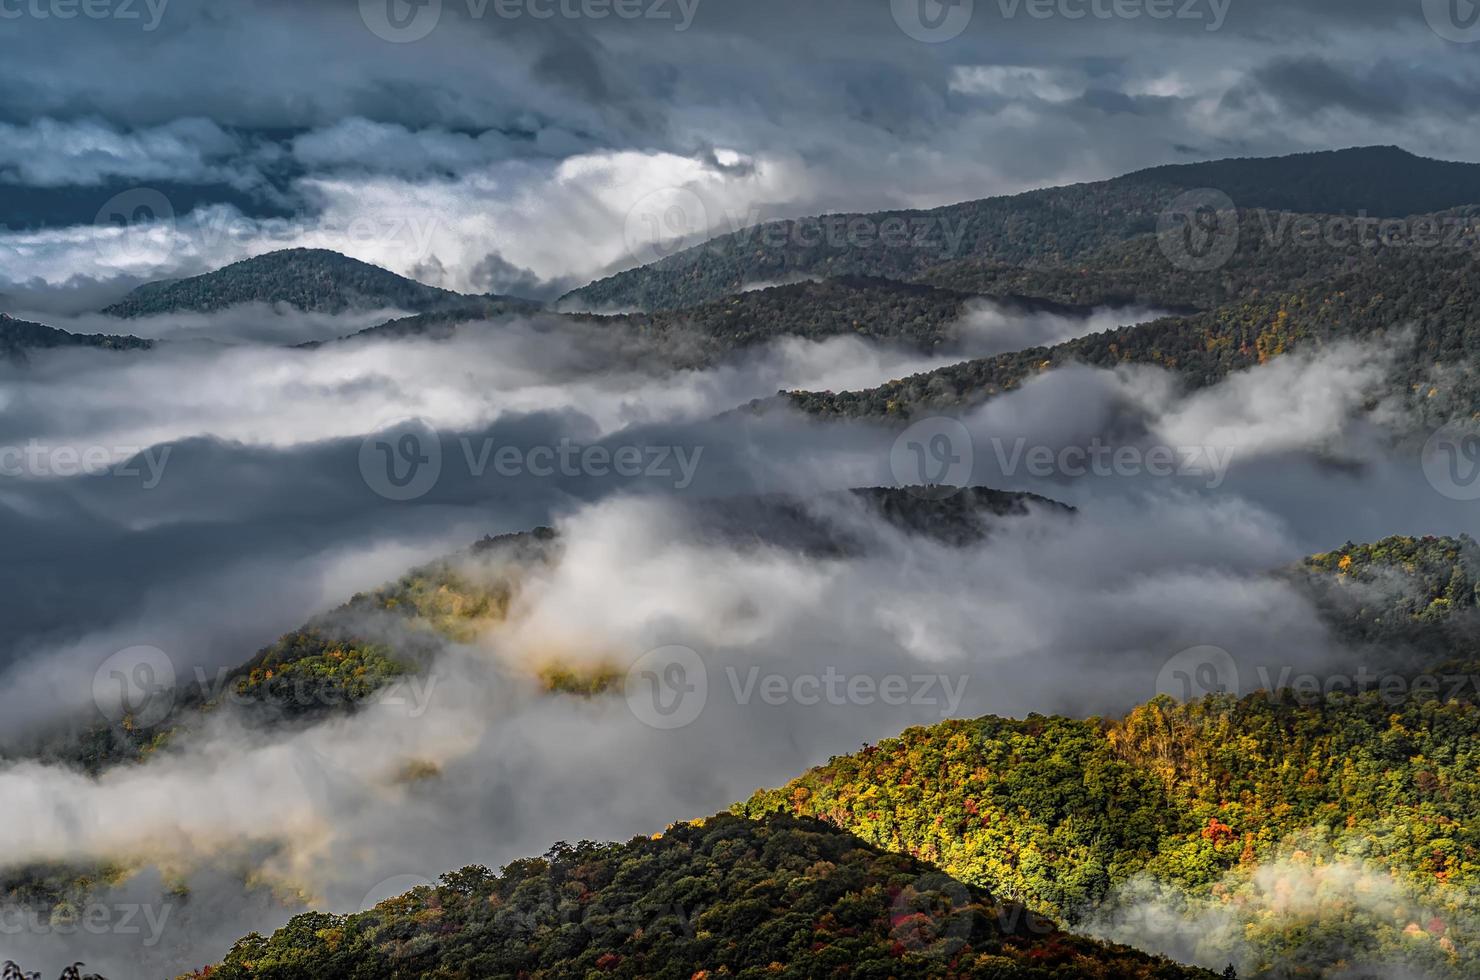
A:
1047	225
313	280
720	897
19	336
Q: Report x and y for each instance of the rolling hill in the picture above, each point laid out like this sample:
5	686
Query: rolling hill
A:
313	280
1359	799
911	316
724	897
1213	807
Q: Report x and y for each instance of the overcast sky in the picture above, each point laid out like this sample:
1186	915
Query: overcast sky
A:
520	145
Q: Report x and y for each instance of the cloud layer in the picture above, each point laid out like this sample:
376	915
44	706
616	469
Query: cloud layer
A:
263	515
534	140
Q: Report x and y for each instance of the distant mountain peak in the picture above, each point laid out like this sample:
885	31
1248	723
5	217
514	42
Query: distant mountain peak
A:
315	280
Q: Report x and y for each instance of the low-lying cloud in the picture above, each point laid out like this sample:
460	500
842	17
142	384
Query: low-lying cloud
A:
1053	612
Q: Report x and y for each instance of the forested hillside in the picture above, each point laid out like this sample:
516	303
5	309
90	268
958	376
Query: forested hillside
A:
1053	227
723	897
1209	803
1419	594
908	315
1360	799
1275	252
327	666
1424	304
19	336
913	316
313	280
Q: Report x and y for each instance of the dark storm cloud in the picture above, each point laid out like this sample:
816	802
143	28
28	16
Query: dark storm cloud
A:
624	80
830	105
1310	84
